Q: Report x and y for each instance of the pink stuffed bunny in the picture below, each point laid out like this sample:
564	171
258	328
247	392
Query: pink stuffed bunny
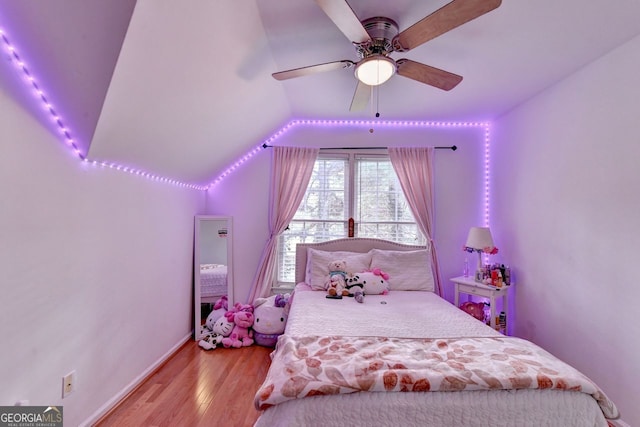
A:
241	335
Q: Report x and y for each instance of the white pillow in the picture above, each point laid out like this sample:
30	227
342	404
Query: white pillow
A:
407	270
318	265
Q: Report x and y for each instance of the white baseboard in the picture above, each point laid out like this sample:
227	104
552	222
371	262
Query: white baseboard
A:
132	385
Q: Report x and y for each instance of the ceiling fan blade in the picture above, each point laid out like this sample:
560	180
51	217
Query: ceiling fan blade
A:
361	97
313	69
426	74
442	20
345	19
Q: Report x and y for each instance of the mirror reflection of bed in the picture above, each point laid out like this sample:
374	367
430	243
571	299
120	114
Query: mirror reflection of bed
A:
212	266
213	282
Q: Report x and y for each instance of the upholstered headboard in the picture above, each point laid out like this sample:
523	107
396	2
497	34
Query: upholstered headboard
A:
351	244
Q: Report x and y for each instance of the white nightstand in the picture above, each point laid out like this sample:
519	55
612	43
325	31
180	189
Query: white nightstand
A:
467	285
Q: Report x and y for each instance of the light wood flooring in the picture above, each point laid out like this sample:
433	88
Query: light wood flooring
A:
196	388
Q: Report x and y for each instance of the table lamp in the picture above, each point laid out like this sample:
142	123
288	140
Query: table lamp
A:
479	240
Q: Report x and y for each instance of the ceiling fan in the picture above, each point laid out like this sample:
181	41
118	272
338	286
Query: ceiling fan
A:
376	38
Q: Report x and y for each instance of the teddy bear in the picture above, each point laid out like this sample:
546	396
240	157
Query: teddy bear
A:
242	317
220	329
270	318
336	282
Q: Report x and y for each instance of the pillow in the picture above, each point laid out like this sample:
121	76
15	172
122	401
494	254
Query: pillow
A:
407	270
318	265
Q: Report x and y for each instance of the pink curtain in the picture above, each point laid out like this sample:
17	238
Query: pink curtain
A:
291	169
414	168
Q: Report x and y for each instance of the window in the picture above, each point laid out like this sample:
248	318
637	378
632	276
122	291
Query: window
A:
342	186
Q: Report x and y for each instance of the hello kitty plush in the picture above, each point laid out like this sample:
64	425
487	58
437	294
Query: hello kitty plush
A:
369	283
221	328
220	307
270	318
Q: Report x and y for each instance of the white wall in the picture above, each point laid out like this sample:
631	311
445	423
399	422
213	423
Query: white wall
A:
95	271
565	208
459	190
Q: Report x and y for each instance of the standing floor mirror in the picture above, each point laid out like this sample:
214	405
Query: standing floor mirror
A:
213	265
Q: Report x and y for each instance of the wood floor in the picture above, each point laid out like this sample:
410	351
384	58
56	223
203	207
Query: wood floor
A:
197	388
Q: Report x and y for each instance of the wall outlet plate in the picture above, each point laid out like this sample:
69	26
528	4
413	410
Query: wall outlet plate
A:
68	384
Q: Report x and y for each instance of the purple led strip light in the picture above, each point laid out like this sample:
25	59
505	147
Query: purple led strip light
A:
30	80
68	139
381	123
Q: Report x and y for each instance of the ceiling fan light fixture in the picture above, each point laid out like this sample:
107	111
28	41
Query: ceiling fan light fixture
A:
375	70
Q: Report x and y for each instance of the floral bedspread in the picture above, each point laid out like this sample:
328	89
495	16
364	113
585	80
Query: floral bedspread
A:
323	365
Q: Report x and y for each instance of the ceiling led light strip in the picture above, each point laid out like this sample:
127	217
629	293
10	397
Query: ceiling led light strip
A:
381	123
30	80
236	165
250	154
64	131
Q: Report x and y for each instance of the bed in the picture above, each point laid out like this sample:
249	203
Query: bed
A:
213	282
408	357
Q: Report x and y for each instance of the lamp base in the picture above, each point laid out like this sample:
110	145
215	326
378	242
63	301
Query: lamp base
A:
479	270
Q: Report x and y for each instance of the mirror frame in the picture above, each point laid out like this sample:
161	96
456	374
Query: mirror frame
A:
199	219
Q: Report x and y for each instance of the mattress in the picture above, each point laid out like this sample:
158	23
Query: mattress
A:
403	314
213	280
415	314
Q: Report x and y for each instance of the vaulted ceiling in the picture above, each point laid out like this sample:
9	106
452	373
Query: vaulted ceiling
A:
183	88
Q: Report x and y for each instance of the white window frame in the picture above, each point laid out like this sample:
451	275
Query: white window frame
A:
352	157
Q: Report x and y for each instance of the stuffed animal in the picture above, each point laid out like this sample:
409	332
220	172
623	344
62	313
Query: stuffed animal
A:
375	282
336	282
336	289
474	309
241	336
368	283
221	328
220	307
270	318
282	300
355	287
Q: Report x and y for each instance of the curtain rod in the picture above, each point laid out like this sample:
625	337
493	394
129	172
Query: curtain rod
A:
452	148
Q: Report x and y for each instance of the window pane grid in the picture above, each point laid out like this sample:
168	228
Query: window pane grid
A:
379	206
326	194
379	195
304	232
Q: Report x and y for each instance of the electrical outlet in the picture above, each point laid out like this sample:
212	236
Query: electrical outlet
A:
68	384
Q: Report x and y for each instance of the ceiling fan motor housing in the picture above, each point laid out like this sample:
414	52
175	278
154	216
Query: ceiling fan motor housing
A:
382	31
